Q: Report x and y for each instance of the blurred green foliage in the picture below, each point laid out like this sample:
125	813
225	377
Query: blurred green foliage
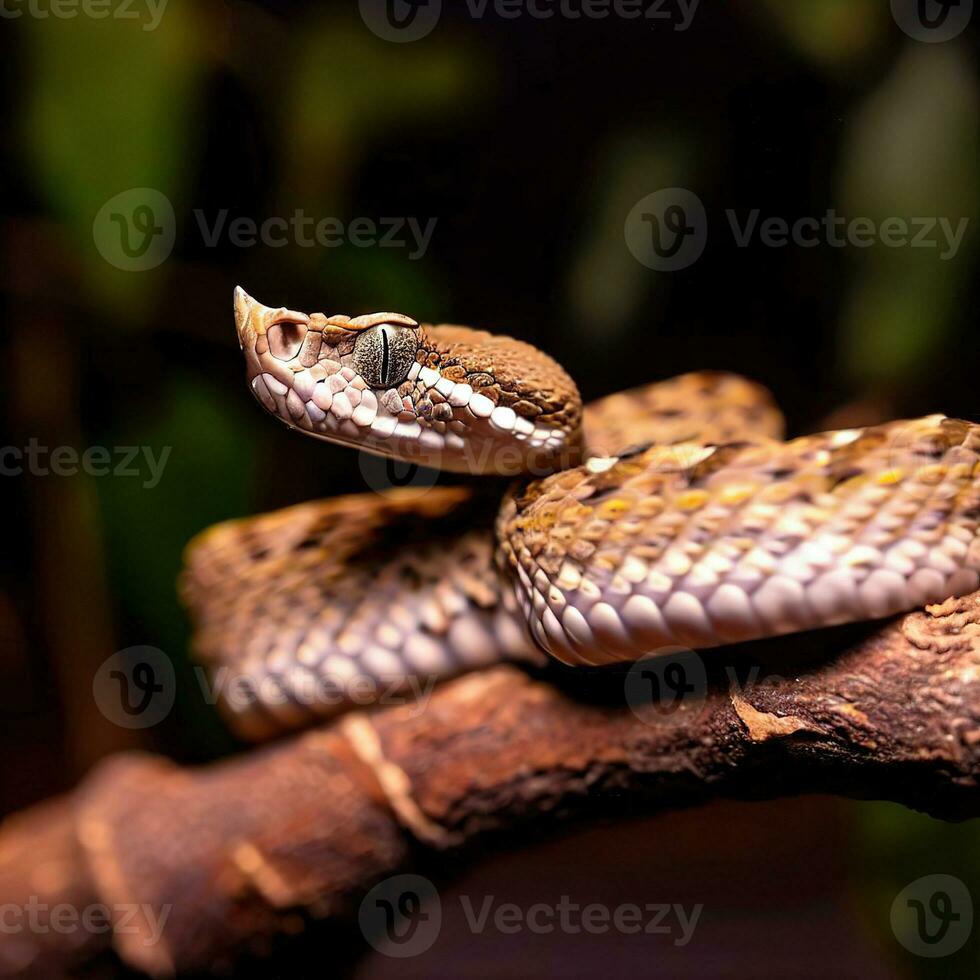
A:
607	287
831	33
110	106
893	847
913	150
210	473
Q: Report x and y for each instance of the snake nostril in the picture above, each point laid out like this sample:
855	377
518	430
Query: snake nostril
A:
285	339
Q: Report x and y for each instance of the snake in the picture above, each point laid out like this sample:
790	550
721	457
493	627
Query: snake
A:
673	515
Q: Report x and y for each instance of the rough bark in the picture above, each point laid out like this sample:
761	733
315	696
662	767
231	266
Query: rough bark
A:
253	846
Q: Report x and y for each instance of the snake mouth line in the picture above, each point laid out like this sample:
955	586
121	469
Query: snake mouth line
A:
480	453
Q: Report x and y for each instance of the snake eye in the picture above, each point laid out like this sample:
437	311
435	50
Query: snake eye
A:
384	354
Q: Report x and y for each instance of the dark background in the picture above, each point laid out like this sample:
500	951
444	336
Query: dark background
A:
529	141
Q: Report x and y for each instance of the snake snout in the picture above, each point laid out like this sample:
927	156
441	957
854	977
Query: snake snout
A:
253	320
250	320
243	313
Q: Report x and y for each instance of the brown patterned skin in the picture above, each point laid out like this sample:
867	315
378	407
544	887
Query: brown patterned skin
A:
357	599
509	372
699	545
385	593
703	406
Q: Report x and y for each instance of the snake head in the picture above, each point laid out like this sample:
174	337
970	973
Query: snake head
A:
443	396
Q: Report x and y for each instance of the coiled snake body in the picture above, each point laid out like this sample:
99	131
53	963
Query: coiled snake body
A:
667	516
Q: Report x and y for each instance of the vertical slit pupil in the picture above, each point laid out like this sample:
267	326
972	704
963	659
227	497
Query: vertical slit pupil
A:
385	357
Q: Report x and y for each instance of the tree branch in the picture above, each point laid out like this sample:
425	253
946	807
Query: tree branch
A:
236	849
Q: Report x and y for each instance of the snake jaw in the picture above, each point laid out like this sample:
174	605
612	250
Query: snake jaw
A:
445	397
